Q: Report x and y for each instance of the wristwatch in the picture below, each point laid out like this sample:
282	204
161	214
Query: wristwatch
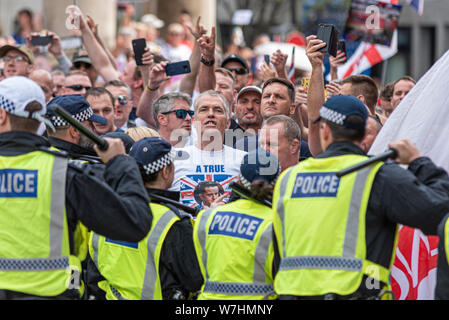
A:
208	63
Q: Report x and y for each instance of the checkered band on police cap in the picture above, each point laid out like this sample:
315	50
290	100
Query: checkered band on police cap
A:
160	163
7	104
332	115
82	116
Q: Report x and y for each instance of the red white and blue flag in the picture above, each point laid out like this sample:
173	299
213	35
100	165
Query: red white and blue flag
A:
366	56
417	5
291	71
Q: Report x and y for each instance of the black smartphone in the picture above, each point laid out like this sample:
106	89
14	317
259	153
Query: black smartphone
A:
181	67
342	46
41	40
267	59
329	34
139	46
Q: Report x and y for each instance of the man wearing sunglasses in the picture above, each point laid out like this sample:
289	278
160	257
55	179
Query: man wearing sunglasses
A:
18	61
173	118
123	103
76	82
239	68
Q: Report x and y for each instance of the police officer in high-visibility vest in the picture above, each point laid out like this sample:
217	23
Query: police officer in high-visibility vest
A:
65	137
442	285
233	242
336	237
163	265
43	197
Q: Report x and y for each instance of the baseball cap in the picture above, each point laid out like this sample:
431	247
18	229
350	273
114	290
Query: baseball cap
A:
259	164
17	92
22	49
77	106
248	89
152	153
81	56
126	139
338	108
152	20
237	58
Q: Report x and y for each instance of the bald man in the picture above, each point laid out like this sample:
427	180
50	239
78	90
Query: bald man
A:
44	79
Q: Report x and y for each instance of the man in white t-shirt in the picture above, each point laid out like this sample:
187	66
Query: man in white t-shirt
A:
209	159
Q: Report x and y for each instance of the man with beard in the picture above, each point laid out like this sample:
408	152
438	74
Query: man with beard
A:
66	137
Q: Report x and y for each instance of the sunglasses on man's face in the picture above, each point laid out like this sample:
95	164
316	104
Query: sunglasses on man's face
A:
78	87
79	65
181	114
238	70
122	100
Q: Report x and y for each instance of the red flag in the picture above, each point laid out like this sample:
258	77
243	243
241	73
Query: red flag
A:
413	276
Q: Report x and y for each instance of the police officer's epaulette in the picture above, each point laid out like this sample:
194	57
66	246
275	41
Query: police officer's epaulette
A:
179	212
89	159
173	204
58	153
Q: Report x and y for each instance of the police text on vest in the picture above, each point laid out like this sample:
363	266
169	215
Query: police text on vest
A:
16	183
235	225
315	184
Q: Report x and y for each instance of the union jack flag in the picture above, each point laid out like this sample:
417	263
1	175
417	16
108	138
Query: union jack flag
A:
191	181
366	56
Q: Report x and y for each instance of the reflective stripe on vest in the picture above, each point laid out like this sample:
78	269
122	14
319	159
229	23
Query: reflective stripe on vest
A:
117	294
348	261
280	206
58	182
33	264
446	239
149	282
258	287
238	288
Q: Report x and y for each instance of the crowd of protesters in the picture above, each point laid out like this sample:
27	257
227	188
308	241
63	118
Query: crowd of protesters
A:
190	137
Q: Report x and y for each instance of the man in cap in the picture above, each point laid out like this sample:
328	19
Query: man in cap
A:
238	66
247	112
346	239
82	62
68	138
278	98
42	255
247	109
168	246
18	61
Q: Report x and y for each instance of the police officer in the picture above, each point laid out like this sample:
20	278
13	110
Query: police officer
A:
442	286
42	199
233	242
163	265
65	137
336	236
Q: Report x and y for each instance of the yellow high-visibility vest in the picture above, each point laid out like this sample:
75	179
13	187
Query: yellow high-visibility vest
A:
319	223
234	247
131	270
34	240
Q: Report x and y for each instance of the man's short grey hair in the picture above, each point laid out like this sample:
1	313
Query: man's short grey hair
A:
291	128
165	102
118	83
214	94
